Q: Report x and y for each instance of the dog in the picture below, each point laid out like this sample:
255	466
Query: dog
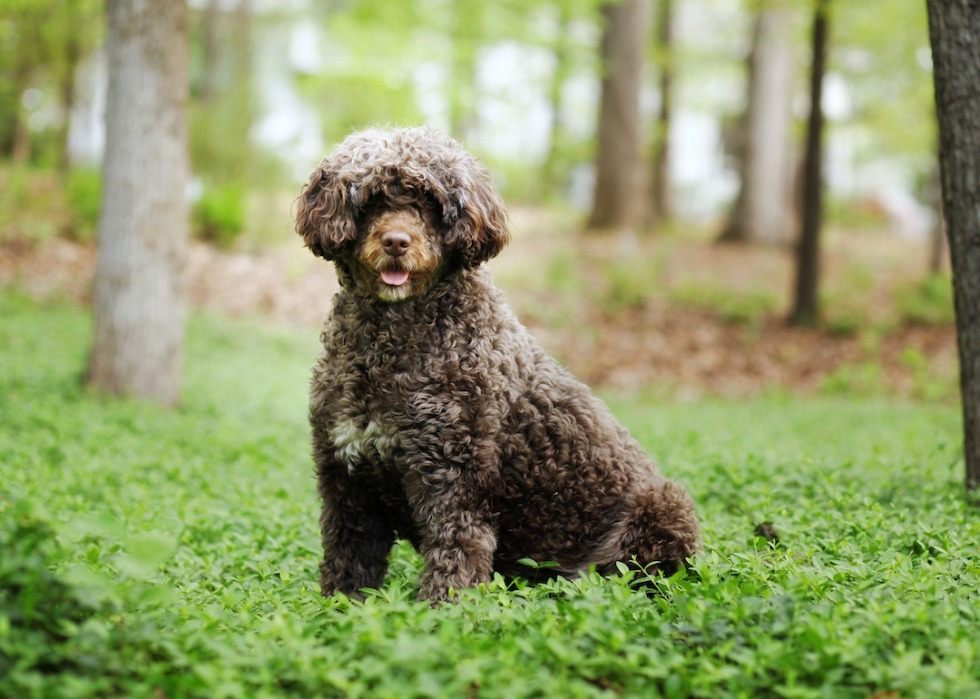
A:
435	417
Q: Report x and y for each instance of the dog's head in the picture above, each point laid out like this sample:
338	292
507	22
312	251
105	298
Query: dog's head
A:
399	209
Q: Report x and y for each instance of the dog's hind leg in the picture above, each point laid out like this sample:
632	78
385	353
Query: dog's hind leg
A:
661	527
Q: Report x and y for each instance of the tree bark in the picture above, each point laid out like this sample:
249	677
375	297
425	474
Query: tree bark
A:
938	247
143	227
619	190
763	211
661	195
805	308
954	28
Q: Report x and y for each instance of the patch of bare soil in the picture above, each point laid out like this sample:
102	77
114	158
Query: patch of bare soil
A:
655	340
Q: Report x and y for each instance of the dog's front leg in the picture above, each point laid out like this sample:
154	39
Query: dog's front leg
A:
458	547
356	541
458	538
357	536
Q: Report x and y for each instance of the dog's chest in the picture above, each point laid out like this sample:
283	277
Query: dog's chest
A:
361	444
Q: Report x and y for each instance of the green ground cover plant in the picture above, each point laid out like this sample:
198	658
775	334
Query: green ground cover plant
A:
146	553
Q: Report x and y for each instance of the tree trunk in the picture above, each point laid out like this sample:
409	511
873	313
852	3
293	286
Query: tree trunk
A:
805	308
619	190
763	209
662	200
211	19
143	227
551	170
954	26
463	115
73	54
21	149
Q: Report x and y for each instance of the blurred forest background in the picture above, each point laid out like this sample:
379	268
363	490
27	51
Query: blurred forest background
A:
683	284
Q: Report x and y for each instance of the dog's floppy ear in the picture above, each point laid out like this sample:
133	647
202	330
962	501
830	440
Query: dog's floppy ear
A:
325	219
475	218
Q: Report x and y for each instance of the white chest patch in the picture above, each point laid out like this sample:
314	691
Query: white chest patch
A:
352	444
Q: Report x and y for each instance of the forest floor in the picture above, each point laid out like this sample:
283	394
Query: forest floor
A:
670	313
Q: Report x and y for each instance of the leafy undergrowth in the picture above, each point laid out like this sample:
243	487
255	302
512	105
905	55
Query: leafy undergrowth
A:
148	553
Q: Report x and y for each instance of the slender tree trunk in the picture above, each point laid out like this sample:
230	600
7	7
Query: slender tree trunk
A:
242	21
463	117
662	197
21	149
619	191
551	169
211	20
954	28
143	227
805	308
73	54
763	210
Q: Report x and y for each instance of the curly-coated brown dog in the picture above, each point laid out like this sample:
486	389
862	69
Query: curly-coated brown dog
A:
435	416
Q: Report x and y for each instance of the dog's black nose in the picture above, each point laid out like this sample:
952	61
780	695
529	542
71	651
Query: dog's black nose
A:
396	243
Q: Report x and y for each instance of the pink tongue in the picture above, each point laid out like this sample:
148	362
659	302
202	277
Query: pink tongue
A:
394	278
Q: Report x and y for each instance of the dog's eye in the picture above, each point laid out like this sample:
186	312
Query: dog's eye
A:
431	208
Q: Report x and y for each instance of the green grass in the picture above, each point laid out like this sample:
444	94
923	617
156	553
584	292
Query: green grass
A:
148	553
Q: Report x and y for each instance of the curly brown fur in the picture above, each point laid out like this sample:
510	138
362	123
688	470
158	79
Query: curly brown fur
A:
435	416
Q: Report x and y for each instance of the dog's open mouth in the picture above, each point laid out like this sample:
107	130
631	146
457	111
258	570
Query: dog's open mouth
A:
394	277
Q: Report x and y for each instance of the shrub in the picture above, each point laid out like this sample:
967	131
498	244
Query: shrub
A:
854	380
32	204
927	383
219	215
845	319
629	286
84	202
926	302
737	308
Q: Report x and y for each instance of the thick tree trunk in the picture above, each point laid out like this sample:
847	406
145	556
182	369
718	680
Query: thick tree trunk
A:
143	228
763	211
662	200
805	307
954	28
619	190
